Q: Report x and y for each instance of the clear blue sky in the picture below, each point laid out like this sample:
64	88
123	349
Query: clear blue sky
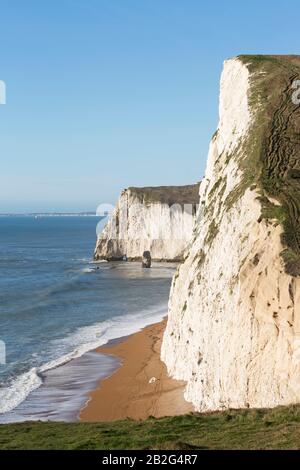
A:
106	94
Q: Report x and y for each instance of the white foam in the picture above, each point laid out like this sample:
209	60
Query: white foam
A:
88	270
100	261
84	339
12	396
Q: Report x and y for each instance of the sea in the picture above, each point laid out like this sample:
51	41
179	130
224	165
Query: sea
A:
57	306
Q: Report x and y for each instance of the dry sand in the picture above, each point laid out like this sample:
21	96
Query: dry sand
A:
128	393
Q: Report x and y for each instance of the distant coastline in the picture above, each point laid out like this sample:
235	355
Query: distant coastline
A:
50	214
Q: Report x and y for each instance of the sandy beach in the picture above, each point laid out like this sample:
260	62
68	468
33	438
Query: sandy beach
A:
140	387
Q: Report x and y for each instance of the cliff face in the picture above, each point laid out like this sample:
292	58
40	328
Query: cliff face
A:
159	220
233	331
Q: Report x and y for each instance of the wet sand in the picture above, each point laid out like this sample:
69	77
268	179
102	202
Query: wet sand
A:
140	387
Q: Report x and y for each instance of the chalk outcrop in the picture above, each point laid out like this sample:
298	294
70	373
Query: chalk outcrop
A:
159	220
233	331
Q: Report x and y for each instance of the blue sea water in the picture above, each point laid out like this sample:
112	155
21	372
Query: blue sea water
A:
57	306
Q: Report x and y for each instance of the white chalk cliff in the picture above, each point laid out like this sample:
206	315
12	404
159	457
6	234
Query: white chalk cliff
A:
158	219
233	331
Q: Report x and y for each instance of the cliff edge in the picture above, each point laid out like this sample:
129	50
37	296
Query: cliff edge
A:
233	331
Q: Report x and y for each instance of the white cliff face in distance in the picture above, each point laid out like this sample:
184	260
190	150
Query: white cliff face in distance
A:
233	331
159	220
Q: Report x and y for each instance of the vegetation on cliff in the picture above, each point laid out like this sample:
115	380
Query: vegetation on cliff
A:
270	155
168	194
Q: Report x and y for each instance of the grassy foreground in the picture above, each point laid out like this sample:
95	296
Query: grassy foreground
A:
248	429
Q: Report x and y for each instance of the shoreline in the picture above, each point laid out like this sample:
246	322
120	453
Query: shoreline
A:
140	387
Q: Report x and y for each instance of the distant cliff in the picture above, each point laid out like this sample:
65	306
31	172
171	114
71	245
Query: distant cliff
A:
158	219
233	329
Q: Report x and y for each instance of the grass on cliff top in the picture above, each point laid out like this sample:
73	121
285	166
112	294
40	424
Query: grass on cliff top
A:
168	194
269	156
278	428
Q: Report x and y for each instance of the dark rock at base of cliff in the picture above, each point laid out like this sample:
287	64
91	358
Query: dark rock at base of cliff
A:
146	260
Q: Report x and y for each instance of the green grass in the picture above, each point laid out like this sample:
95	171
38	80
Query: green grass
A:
271	211
168	194
278	428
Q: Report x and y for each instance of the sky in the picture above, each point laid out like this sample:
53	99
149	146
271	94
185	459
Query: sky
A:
106	94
